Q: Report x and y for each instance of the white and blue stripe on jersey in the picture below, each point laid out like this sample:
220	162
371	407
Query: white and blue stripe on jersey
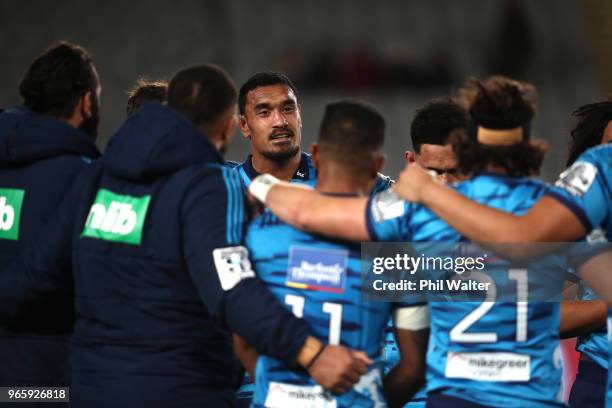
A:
586	189
305	174
539	384
320	280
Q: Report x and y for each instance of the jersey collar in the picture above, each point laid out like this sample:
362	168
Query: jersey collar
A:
302	173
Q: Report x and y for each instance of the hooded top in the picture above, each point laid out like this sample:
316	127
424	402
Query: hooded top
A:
156	142
40	157
26	137
159	271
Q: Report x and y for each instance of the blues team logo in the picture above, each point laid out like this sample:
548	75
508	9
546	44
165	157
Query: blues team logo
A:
578	178
317	269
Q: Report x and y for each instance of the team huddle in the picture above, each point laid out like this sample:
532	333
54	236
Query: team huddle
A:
160	275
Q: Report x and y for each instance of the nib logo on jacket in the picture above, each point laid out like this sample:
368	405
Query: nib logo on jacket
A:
10	211
117	218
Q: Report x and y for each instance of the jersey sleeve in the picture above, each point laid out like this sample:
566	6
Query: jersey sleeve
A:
387	217
413	317
582	189
214	220
382	183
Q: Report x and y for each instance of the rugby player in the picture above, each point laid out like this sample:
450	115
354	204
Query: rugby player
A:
558	216
499	156
328	298
430	131
270	118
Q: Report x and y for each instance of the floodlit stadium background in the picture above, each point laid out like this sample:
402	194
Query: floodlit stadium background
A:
394	53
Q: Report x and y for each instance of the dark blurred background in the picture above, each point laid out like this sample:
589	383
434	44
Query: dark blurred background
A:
394	53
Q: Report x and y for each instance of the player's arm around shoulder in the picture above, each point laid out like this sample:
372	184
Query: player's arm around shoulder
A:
308	210
213	223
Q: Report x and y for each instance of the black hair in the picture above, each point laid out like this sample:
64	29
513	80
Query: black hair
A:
434	122
265	78
202	93
145	90
350	131
588	131
56	80
499	103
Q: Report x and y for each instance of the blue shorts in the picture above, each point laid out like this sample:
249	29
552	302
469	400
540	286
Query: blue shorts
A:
589	389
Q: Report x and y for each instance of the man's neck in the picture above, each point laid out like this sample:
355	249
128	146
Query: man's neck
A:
329	181
283	170
493	168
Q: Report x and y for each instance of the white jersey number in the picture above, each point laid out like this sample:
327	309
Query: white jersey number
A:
459	333
333	309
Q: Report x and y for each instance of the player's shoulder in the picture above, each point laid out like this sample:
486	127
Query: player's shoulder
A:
594	161
581	175
497	183
382	183
232	164
387	205
597	155
213	176
268	224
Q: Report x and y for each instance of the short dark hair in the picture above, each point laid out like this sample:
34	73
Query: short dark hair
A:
145	90
435	121
202	93
588	131
264	78
350	131
56	80
499	103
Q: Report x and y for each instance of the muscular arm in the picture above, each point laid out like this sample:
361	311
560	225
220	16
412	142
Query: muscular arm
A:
408	376
547	221
310	211
596	273
581	317
411	335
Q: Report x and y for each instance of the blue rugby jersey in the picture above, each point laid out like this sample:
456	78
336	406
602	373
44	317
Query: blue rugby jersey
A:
320	281
586	189
305	174
455	346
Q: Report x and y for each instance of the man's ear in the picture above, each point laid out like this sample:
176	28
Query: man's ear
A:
229	127
244	126
314	150
410	156
86	105
378	163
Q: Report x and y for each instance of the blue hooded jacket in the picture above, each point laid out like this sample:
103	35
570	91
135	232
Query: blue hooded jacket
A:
159	274
40	157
